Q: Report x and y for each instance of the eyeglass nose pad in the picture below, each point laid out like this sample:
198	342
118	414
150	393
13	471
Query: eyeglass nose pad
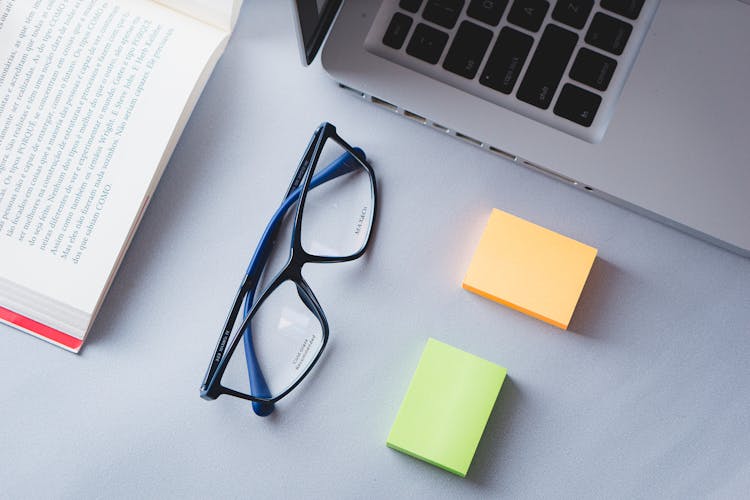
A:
360	153
262	409
345	163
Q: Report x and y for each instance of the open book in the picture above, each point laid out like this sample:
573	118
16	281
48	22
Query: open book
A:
93	97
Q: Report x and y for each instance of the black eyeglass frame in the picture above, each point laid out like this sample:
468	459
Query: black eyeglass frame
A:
211	388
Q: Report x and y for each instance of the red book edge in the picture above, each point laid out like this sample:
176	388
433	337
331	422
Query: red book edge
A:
41	330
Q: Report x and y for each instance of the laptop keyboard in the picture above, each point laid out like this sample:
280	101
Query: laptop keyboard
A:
561	63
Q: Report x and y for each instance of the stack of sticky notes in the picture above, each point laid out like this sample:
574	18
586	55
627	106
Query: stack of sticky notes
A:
446	407
529	268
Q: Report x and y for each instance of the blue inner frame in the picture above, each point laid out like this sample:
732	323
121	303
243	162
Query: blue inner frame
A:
258	386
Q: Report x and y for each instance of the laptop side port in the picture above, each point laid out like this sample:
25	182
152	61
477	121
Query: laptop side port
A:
413	116
502	153
384	104
468	139
548	172
354	91
441	128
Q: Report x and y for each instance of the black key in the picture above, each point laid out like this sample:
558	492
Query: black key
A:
528	14
467	50
547	66
397	30
410	5
608	33
487	11
427	43
506	60
627	8
577	105
443	12
593	69
573	12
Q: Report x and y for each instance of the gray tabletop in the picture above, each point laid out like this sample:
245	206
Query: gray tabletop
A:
645	396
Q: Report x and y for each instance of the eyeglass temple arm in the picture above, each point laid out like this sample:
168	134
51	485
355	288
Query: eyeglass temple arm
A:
258	385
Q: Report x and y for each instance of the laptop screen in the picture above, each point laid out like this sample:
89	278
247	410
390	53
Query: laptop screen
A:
314	19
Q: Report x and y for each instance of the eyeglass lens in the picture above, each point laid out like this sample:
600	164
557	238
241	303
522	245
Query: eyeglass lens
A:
338	213
285	338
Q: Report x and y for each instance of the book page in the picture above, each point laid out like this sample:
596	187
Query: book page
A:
91	92
220	13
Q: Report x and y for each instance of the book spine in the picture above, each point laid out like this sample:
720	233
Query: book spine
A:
40	330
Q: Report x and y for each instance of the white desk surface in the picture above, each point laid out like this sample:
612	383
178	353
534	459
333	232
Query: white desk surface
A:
646	396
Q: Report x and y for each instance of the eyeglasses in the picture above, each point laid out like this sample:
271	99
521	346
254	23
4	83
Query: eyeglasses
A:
332	197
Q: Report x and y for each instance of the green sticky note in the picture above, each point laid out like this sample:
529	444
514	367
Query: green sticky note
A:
446	407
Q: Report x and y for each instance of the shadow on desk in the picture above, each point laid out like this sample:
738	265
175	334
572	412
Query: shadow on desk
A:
598	299
490	459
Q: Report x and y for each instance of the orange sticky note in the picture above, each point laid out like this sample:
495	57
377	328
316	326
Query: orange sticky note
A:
529	268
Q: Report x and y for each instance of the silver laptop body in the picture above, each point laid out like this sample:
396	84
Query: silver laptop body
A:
669	138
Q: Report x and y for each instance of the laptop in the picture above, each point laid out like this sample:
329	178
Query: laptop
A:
641	102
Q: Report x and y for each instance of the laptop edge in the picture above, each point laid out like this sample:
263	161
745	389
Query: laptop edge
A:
673	152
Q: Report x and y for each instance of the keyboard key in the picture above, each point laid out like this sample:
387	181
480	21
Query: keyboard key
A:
443	12
608	33
468	49
574	13
627	8
593	69
547	66
397	30
410	5
487	11
528	14
577	105
506	60
427	43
